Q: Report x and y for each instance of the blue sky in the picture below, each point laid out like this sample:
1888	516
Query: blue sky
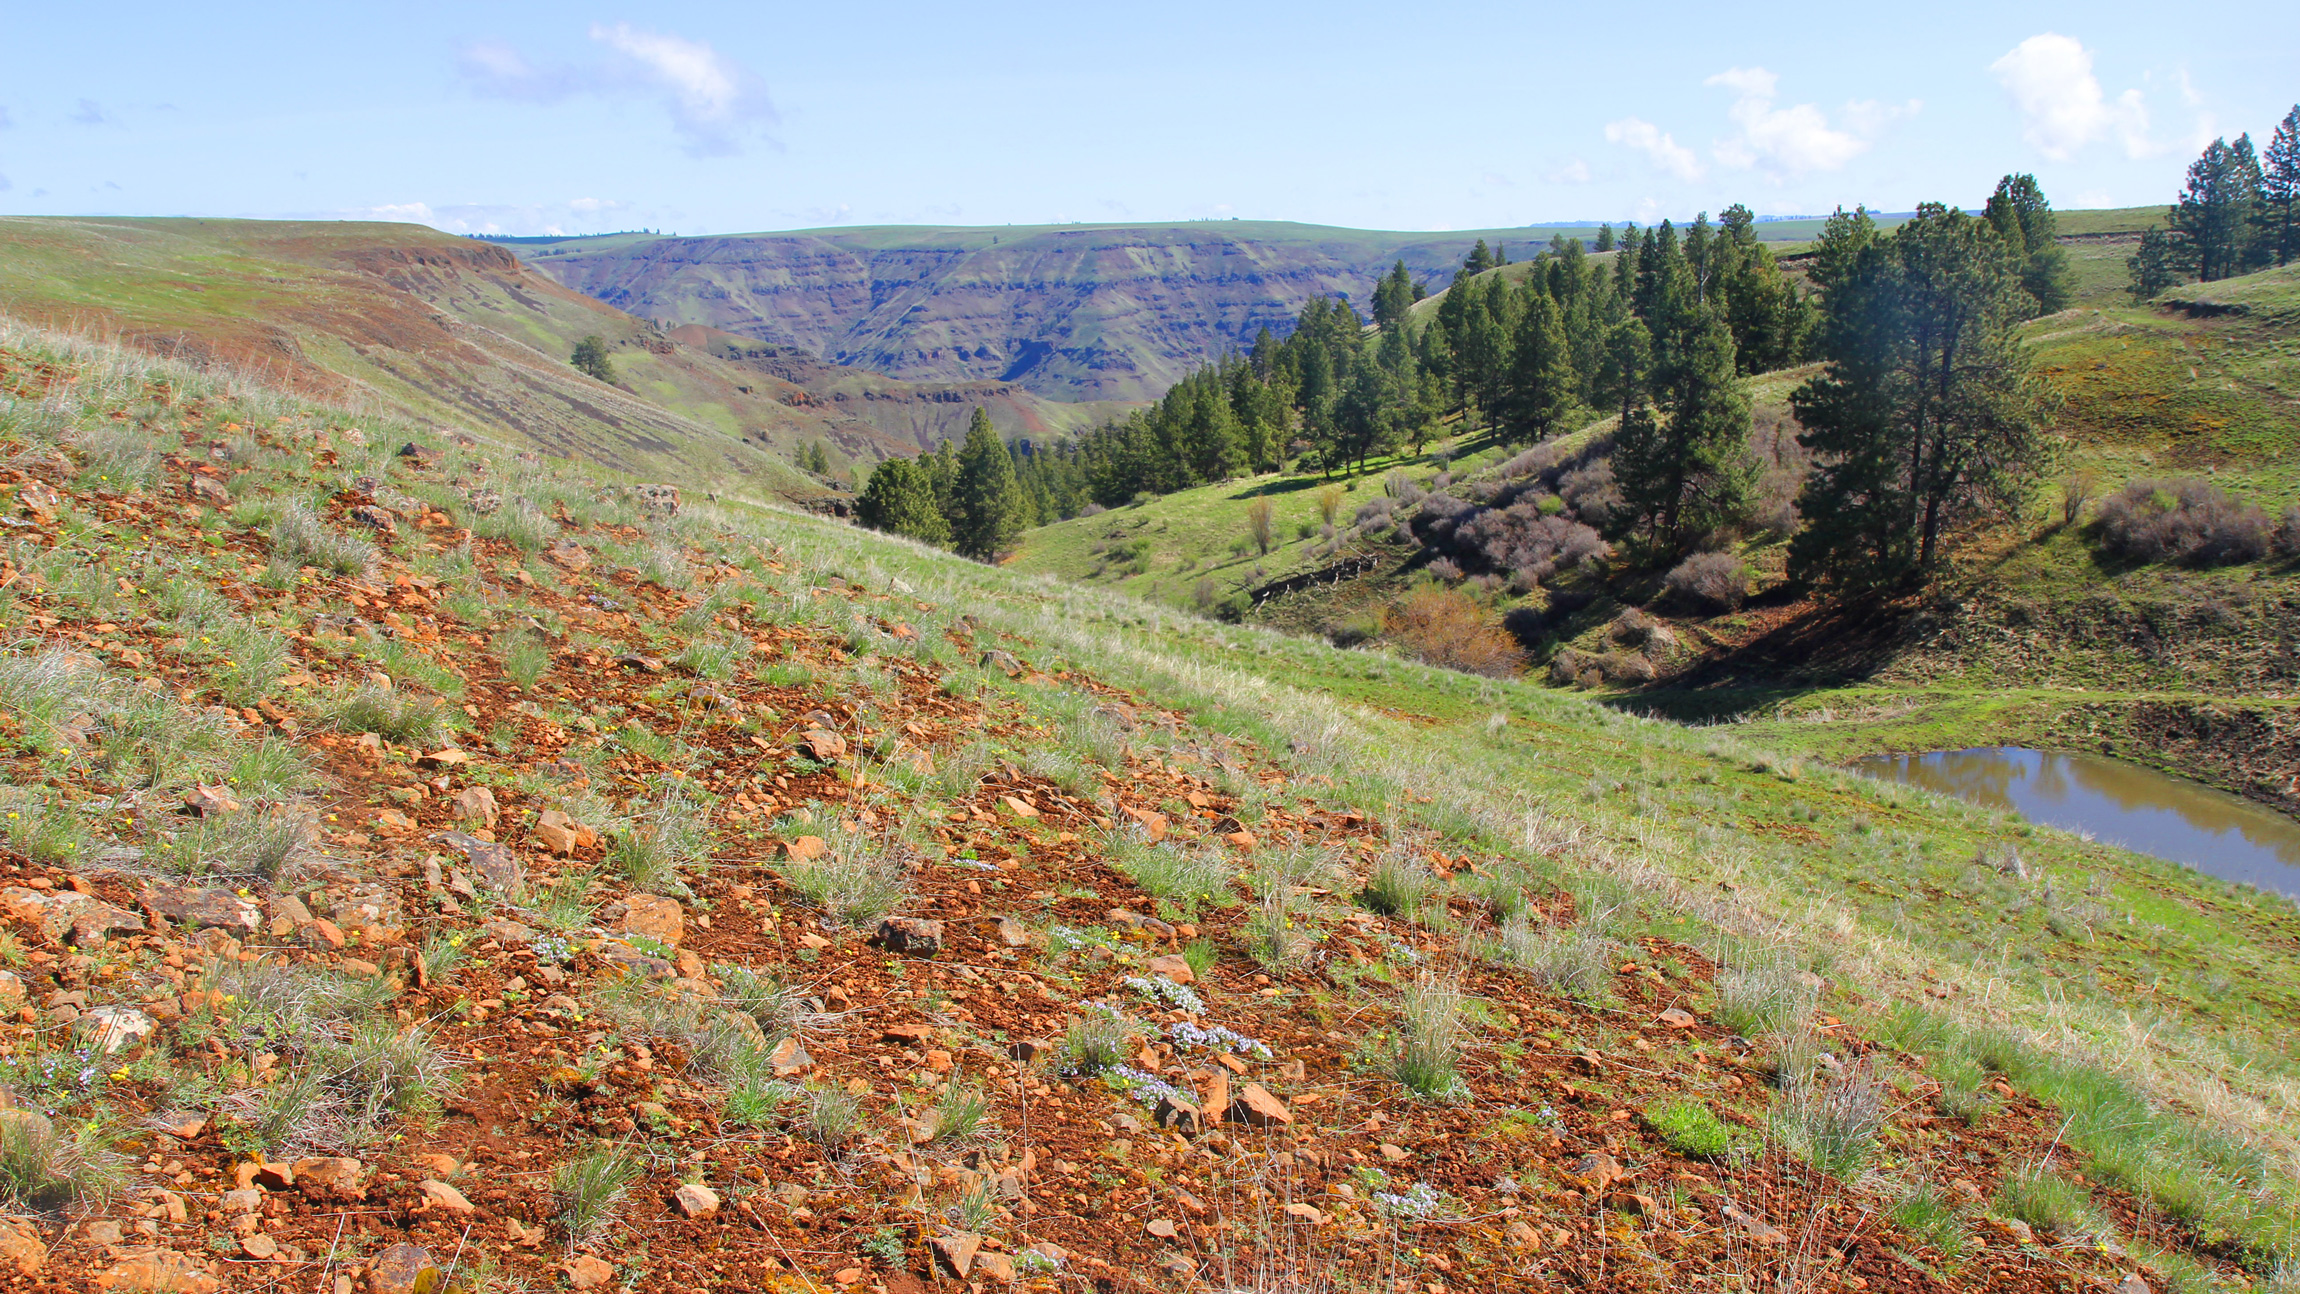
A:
701	118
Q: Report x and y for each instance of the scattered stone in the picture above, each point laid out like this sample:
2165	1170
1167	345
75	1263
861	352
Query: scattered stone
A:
557	833
1307	1213
1002	661
438	1195
259	1245
695	1200
57	914
476	804
103	1231
204	801
322	933
1028	1049
568	555
1758	1229
272	1175
1255	1107
1018	806
654	917
240	1201
1216	1106
1013	933
11	991
1152	822
789	1058
1597	1171
1678	1018
114	1028
585	1271
824	745
647	664
331	1178
497	866
909	936
20	1245
994	1266
957	1251
1395	1154
2133	1283
1163	1228
804	849
374	518
1521	1235
1179	1115
195	909
164	1271
1175	968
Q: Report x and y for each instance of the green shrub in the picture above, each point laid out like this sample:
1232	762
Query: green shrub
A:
1690	1127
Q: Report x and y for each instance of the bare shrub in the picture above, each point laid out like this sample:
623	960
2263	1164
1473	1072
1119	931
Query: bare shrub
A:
1710	582
1446	568
2285	542
1445	628
1262	523
2076	490
2191	522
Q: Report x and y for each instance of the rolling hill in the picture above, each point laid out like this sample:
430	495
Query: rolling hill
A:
453	333
1071	312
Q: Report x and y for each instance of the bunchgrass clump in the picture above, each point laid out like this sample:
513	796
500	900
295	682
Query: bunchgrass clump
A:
588	1191
526	659
249	844
1427	1057
402	718
961	1112
1927	1212
854	882
1094	1042
2047	1201
1832	1125
833	1114
1184	878
1761	999
43	1169
300	536
657	846
1571	961
1398	884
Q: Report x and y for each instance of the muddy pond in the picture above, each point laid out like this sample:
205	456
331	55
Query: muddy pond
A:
2121	804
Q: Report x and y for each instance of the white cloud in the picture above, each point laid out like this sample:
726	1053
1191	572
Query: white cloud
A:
1786	143
2093	199
91	113
1649	139
1573	172
713	102
2049	79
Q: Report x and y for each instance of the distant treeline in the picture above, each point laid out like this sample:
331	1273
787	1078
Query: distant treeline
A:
2238	212
1519	353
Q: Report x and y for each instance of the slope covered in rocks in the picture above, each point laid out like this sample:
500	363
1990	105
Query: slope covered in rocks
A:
421	863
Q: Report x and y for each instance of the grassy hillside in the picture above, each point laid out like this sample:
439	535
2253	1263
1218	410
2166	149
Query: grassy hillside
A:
525	881
459	335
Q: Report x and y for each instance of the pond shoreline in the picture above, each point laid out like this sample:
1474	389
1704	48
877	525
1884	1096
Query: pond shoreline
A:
2130	805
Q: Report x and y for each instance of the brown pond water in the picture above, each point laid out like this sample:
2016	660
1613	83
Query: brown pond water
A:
2121	804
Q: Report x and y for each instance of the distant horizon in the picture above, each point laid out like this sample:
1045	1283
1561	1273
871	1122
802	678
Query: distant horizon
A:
709	117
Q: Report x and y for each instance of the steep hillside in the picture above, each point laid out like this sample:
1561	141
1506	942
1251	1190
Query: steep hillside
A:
736	901
458	334
1075	312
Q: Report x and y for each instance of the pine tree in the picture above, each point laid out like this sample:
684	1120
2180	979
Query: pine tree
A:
2280	189
1925	417
1628	358
2216	216
900	500
1392	296
2021	216
1479	260
1604	238
1541	381
1690	474
591	359
986	497
2158	264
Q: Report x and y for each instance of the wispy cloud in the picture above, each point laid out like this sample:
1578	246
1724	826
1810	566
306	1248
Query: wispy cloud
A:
574	216
1573	172
90	113
2062	107
1643	136
1787	143
714	103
